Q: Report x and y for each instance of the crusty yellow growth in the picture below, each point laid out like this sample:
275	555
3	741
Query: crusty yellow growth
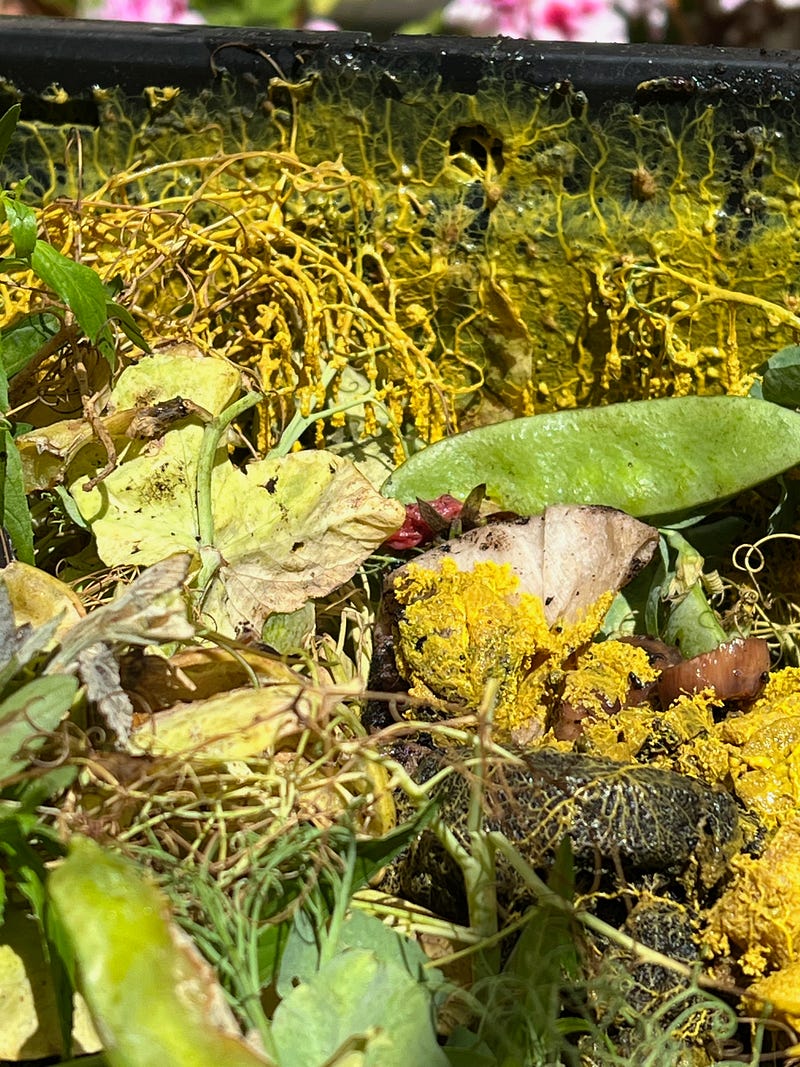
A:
765	749
681	738
603	676
781	991
760	912
459	631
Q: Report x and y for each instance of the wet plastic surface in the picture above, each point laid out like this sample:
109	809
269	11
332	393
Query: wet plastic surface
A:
79	55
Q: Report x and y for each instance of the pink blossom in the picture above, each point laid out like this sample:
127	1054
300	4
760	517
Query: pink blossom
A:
320	24
544	20
144	11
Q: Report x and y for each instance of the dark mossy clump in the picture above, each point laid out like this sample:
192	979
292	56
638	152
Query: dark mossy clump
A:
627	821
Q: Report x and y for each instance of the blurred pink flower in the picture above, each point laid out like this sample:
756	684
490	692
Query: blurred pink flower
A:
542	20
320	24
143	11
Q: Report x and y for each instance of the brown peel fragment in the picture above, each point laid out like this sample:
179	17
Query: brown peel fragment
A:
736	670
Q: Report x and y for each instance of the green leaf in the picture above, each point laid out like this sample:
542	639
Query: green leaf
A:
300	958
361	1001
77	285
693	625
781	381
22	223
28	715
4	403
22	341
8	124
650	458
127	324
14	511
466	1049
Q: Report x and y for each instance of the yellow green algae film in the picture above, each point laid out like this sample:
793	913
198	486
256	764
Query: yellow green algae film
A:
505	252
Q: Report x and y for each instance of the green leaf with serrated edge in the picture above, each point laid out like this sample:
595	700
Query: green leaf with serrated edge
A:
76	284
153	1000
650	458
8	124
14	511
22	223
21	342
28	716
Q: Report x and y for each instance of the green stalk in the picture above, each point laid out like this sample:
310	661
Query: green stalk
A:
214	430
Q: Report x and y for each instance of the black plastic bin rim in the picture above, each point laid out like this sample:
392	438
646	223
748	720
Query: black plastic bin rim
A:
78	55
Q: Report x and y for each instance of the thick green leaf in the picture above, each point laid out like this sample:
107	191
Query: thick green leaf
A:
21	342
77	285
14	511
693	626
28	715
8	123
151	997
651	458
22	223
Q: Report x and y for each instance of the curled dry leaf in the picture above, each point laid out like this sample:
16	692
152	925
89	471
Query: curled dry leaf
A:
37	598
568	556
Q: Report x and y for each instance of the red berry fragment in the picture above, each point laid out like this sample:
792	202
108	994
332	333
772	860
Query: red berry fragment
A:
421	524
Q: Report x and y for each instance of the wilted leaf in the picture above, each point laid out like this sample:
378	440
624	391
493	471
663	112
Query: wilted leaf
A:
37	597
99	671
151	609
285	529
234	725
292	528
177	370
568	556
198	673
19	644
180	370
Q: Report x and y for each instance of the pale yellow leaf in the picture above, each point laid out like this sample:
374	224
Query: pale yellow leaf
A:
238	725
30	1028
